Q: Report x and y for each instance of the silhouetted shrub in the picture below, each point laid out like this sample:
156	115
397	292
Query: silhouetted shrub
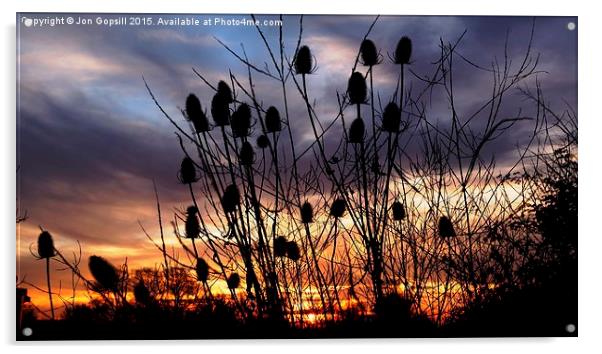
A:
141	293
104	273
46	245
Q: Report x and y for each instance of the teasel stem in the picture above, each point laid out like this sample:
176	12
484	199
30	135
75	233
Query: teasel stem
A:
49	287
391	152
374	141
300	291
313	126
320	276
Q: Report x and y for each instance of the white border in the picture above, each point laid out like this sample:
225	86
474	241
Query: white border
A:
590	67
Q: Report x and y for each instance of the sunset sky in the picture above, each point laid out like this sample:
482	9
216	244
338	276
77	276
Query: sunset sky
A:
90	140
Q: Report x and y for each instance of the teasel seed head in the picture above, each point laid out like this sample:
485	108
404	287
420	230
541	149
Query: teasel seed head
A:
307	213
357	91
357	131
272	120
220	110
446	228
202	270
280	246
192	226
224	91
368	53
233	281
46	245
196	115
337	209
304	61
403	52
104	273
246	156
241	121
391	122
230	199
187	171
263	141
398	210
292	251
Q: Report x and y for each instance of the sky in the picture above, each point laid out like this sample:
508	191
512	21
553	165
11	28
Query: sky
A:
90	140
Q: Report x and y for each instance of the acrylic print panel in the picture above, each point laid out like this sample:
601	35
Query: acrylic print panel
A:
236	176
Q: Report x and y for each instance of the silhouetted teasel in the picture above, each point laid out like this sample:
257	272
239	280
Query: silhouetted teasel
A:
368	53
280	245
272	120
141	293
246	155
307	213
357	131
403	52
446	228
398	210
187	171
224	91
357	91
292	251
233	281
337	209
193	228
220	110
202	270
241	121
104	273
230	199
304	63
263	141
391	118
46	245
196	115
